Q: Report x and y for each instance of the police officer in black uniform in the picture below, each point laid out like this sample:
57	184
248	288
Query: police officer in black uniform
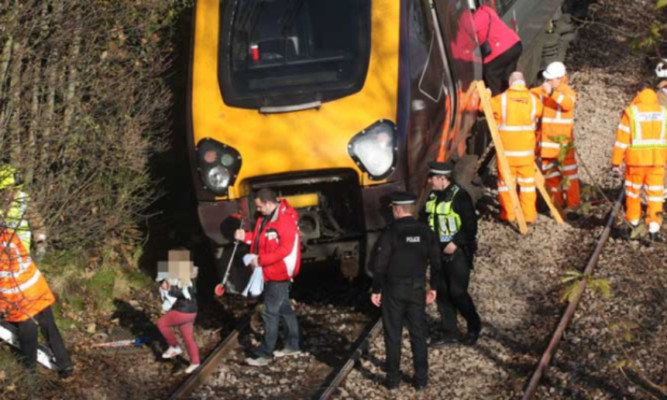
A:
399	285
450	213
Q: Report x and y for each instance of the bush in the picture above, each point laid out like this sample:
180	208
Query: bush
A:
83	106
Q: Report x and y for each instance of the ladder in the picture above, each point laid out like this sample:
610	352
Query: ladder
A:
503	165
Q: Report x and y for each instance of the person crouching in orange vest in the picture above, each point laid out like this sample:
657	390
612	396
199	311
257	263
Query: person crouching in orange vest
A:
556	133
516	111
25	302
641	142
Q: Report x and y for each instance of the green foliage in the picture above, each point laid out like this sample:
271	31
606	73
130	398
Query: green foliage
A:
85	105
600	285
660	3
566	145
573	278
650	40
85	286
138	280
624	329
101	288
565	148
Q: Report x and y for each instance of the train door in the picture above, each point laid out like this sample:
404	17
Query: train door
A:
452	63
433	100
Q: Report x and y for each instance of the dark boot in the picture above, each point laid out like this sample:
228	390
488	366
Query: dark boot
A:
471	337
392	384
448	339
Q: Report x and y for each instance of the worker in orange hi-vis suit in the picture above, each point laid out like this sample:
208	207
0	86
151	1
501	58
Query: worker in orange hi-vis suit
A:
516	111
25	302
556	132
641	142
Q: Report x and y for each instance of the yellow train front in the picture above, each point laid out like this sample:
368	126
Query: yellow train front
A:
332	103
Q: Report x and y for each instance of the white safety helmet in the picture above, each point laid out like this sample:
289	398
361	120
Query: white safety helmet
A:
661	72
554	70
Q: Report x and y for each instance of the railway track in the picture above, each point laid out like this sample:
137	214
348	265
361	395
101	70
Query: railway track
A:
329	355
573	303
513	354
323	383
212	361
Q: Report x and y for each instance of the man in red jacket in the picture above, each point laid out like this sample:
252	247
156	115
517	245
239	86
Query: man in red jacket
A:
277	244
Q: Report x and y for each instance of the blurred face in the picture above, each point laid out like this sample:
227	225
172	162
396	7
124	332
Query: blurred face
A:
438	182
554	82
265	208
400	211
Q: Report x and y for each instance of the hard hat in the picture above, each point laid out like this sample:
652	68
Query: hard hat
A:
9	177
661	72
554	70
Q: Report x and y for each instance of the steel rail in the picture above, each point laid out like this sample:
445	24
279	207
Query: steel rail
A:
574	302
217	355
212	361
344	371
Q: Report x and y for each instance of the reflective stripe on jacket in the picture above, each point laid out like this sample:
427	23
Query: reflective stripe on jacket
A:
641	139
516	111
442	219
23	290
557	124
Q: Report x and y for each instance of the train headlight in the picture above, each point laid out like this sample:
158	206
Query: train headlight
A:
219	165
218	177
375	149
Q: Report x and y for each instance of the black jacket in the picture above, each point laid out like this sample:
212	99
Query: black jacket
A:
183	304
404	251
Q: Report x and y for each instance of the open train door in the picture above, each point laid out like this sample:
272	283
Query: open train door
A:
432	93
460	61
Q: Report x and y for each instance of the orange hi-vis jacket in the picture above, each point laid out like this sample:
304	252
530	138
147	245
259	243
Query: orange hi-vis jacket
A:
24	292
516	111
641	138
557	125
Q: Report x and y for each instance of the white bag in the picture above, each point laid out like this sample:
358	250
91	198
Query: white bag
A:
256	283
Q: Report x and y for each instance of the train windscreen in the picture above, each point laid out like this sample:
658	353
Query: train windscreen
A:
290	52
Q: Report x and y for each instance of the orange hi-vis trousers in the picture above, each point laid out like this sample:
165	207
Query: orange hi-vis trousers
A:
524	176
555	173
651	179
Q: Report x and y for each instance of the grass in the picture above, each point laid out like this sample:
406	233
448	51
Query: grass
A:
100	287
86	287
15	381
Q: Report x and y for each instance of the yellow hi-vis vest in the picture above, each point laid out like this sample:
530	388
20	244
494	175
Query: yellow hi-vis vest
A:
442	218
641	137
16	218
648	145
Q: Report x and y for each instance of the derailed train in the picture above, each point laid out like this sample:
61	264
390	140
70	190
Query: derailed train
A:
336	103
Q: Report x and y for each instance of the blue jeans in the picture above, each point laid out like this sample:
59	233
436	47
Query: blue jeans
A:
276	307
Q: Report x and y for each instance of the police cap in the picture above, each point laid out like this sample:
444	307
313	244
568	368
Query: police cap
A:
441	168
402	198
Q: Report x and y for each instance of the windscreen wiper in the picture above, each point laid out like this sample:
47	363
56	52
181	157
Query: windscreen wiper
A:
292	11
248	11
